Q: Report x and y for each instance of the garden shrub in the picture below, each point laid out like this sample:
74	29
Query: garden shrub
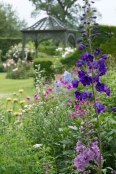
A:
49	50
18	70
71	60
45	65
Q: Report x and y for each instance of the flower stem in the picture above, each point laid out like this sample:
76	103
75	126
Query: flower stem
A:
98	120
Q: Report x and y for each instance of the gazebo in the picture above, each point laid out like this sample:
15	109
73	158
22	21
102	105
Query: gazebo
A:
48	28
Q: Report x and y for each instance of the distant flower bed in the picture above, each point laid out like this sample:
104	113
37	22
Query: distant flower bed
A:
18	70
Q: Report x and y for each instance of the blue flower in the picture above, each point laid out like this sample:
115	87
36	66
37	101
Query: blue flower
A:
75	83
100	107
67	77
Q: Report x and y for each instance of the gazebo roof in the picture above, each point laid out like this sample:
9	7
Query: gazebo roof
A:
48	23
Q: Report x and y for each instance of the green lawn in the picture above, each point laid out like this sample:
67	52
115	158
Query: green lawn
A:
10	86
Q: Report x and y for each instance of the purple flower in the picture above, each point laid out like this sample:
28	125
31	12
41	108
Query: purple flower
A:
83	31
84	78
78	95
81	47
114	109
82	18
80	147
79	63
97	51
86	95
82	73
81	26
75	83
96	78
79	40
107	90
101	67
98	34
94	17
92	35
87	57
83	34
99	107
104	56
100	87
114	172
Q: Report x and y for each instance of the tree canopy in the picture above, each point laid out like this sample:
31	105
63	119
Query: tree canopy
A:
10	24
65	10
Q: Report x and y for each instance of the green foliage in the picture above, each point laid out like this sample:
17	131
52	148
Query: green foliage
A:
49	50
107	36
71	60
45	65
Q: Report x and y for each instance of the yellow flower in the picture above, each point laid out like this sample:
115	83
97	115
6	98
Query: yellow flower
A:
16	113
21	90
22	102
9	110
15	100
9	99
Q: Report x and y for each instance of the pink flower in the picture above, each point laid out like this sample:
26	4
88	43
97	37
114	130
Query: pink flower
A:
69	87
76	106
87	102
28	98
73	115
74	70
49	89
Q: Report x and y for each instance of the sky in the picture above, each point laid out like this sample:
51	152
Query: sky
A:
107	8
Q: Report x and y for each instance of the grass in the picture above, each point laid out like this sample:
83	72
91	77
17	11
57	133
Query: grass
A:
10	86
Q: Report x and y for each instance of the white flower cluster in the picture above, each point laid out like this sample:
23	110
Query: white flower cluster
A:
66	51
15	52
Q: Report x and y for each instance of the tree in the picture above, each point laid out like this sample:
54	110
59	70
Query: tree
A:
10	24
65	10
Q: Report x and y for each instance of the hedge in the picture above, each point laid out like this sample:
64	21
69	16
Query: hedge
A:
45	65
6	43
